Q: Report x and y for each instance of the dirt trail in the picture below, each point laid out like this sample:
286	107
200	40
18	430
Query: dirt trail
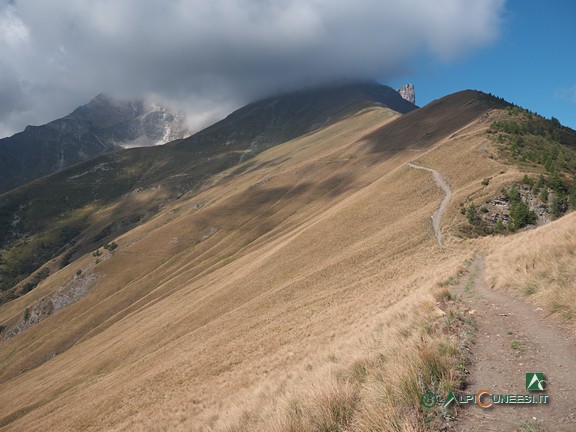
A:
515	338
437	216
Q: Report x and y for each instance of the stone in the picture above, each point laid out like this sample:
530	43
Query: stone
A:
407	92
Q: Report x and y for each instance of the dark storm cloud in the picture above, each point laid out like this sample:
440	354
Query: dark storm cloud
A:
211	55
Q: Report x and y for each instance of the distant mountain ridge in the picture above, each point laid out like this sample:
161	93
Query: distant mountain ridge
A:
101	126
277	119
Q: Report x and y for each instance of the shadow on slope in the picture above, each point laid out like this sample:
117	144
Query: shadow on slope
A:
437	120
55	215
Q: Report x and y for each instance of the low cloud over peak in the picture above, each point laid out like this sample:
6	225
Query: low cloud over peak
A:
209	56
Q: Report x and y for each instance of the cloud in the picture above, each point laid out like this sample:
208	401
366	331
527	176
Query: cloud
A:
567	93
210	55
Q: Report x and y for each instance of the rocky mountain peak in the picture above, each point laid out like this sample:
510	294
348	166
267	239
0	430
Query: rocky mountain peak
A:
102	125
407	92
132	123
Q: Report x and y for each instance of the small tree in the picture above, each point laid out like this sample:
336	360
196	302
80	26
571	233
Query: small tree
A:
544	195
499	228
514	195
521	215
556	207
528	180
471	214
26	316
556	183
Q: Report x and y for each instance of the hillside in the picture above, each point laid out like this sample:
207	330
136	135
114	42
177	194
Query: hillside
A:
277	119
102	125
288	291
77	210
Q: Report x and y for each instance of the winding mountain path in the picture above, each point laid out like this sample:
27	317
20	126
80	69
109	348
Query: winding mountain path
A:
514	338
437	216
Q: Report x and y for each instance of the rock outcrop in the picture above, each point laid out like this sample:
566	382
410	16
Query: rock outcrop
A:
407	92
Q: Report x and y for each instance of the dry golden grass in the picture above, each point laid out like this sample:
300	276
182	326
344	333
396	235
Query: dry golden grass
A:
270	286
380	390
539	264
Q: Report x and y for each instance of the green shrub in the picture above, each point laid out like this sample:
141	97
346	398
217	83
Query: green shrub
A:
528	180
111	246
514	195
499	228
471	214
556	207
521	215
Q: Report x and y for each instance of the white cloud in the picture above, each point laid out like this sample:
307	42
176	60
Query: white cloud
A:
13	32
205	54
566	93
569	93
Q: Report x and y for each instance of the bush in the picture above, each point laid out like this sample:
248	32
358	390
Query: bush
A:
521	215
528	180
471	214
556	207
499	228
111	246
514	195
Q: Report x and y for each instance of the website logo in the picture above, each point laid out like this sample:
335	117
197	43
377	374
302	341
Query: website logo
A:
535	381
485	399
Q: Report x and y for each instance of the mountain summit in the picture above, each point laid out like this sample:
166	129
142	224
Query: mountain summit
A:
135	123
102	125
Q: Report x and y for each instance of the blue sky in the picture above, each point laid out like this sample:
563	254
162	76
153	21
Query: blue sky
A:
532	63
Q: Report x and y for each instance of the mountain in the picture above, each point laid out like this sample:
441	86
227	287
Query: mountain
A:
54	213
277	119
128	124
102	125
213	284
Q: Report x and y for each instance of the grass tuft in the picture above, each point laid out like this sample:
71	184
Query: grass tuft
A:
530	426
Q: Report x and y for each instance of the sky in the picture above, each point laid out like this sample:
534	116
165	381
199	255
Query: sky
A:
208	57
532	63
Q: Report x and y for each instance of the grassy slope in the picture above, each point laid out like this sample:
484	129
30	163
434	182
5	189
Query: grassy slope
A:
79	209
544	271
322	251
